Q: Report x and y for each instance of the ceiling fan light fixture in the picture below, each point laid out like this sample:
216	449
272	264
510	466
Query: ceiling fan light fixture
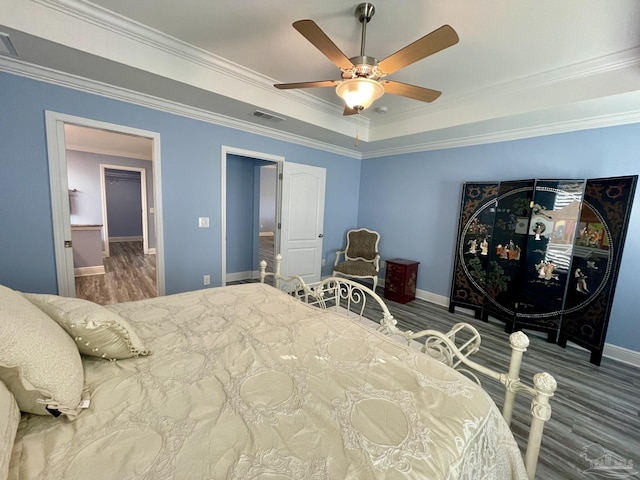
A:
359	93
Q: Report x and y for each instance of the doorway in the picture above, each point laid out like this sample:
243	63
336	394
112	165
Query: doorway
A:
267	214
124	205
299	217
251	186
78	198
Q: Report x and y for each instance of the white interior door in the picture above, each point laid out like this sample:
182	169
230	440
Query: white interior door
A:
302	220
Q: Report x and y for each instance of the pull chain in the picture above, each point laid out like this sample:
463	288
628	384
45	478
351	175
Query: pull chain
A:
359	123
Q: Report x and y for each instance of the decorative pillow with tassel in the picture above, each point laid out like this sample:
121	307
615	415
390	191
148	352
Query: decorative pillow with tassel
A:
97	331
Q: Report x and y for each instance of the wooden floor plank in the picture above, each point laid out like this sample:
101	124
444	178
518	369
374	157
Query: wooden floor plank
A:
129	275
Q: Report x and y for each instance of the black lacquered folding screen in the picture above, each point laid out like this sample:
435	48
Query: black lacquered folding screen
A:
543	254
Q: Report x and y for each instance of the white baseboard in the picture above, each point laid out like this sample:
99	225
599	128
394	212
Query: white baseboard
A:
266	234
234	277
614	352
424	295
86	271
125	239
621	354
432	297
152	251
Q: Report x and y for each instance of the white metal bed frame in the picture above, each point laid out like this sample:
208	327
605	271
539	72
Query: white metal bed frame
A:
452	348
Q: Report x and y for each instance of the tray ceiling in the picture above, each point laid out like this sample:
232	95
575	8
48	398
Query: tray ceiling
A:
520	69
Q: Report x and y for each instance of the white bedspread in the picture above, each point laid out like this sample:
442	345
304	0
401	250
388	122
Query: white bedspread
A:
248	383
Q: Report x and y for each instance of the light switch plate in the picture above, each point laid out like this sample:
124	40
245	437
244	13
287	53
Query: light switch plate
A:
203	222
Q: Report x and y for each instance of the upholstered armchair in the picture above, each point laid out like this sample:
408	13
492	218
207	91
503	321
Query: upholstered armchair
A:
361	256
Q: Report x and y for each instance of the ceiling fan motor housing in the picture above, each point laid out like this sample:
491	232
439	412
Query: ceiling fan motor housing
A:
365	66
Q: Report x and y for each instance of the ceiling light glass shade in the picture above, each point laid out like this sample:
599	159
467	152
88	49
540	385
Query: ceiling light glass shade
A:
359	92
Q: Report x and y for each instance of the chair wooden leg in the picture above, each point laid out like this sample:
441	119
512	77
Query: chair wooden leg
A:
375	283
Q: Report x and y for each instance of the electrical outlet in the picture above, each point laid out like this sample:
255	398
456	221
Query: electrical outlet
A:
324	262
383	264
203	222
206	279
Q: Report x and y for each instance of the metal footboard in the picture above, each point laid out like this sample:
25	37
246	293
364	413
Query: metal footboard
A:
453	348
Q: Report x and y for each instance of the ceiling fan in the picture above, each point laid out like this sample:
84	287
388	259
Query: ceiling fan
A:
362	76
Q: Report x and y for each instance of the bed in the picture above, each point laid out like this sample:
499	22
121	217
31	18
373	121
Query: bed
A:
251	382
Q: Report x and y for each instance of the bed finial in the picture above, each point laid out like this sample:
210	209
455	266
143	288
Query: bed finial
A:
545	385
519	343
263	270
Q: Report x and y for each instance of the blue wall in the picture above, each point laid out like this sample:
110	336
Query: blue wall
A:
83	172
241	220
413	200
191	170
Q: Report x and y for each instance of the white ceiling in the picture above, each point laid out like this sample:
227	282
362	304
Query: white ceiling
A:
106	142
521	68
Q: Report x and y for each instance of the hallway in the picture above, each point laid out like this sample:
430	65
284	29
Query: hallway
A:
129	275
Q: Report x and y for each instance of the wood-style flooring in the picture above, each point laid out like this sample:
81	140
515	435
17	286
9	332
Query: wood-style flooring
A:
266	251
129	275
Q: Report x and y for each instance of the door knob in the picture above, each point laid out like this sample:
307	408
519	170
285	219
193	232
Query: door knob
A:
320	235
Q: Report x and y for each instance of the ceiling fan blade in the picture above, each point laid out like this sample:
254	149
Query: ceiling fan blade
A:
411	91
349	111
312	32
431	43
320	83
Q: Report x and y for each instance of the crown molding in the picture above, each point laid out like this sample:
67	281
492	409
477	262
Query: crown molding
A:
24	69
106	20
143	34
506	135
625	59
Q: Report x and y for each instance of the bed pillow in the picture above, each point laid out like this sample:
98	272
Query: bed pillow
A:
39	363
97	331
9	420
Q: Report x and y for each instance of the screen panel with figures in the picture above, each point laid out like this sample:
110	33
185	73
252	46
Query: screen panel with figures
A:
475	228
543	254
604	219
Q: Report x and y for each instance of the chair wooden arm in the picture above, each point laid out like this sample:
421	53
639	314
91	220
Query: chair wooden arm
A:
338	253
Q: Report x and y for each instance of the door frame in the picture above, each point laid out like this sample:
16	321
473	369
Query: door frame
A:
143	198
228	150
59	186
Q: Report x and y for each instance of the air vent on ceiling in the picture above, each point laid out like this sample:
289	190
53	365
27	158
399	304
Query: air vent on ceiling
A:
6	47
267	116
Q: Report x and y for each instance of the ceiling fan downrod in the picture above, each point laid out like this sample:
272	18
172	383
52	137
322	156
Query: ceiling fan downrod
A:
364	64
364	14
